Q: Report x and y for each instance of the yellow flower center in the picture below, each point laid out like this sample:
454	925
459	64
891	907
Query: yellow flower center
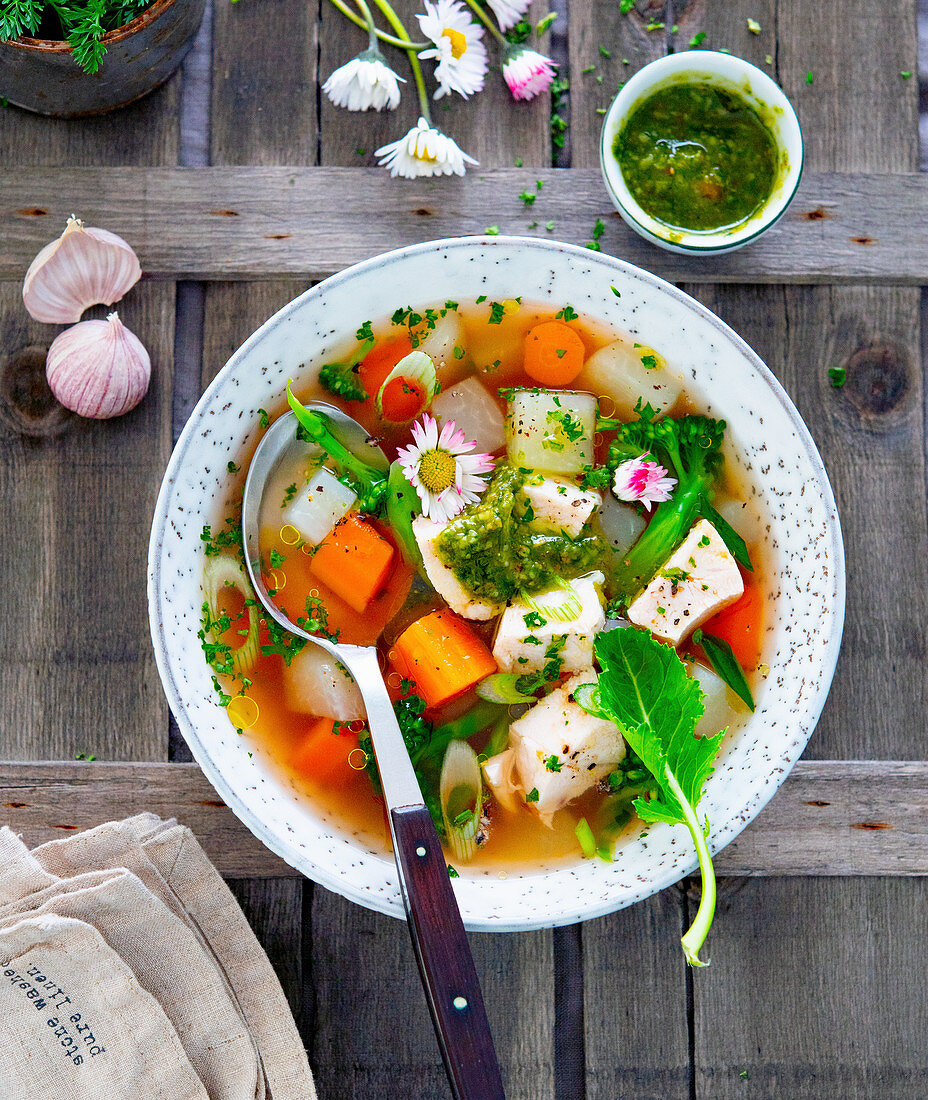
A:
436	470
458	42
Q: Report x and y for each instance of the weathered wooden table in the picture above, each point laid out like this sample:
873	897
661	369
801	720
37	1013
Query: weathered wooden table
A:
239	185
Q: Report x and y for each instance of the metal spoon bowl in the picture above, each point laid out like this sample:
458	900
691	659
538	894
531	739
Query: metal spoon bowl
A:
439	939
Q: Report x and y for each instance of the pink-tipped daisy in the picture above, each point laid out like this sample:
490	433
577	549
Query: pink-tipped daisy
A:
442	470
642	482
527	73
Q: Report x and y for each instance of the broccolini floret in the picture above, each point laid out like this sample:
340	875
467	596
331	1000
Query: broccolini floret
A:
368	483
690	449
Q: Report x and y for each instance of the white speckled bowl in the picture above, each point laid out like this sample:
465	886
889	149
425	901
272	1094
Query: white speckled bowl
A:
804	578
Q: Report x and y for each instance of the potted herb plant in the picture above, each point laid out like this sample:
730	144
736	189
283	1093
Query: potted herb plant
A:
68	58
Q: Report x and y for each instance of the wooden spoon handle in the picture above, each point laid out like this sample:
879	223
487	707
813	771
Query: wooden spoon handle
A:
445	961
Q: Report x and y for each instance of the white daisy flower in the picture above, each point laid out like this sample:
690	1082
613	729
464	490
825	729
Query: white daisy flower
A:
366	82
527	73
460	55
441	469
424	151
509	12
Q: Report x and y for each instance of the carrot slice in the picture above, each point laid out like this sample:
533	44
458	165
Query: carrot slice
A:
323	754
443	655
741	625
354	561
553	354
380	360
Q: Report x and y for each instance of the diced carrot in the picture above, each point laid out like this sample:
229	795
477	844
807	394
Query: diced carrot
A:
443	655
402	400
323	754
354	561
553	354
380	360
741	625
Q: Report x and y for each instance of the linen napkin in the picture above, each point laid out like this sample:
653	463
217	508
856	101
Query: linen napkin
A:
158	905
77	1024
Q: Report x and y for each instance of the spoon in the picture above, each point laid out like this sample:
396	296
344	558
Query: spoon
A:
439	940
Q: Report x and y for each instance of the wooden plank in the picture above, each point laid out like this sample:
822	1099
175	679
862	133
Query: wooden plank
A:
144	133
816	989
491	127
606	47
383	1044
230	223
79	672
831	817
855	945
78	494
264	82
637	1044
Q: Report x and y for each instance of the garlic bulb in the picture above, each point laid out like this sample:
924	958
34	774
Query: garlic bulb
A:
82	267
98	368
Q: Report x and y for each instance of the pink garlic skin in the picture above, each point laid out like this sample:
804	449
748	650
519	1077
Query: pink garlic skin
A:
80	268
98	369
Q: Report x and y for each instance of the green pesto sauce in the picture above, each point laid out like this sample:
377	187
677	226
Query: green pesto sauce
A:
494	552
697	157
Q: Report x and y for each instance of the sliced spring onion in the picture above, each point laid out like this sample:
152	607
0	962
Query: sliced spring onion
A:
460	791
221	572
586	838
501	688
415	367
564	612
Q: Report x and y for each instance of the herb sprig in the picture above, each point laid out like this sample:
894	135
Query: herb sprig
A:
83	23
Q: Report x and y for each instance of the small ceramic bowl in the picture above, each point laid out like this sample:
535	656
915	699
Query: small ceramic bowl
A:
733	75
794	531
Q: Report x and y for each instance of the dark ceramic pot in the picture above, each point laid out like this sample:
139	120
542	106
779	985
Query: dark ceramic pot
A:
42	76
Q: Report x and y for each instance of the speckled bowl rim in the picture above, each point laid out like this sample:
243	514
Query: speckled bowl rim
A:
780	765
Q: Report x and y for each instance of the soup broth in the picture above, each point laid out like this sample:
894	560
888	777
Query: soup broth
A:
350	575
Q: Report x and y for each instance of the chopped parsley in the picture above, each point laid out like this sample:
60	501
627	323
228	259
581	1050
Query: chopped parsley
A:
568	313
263	418
527	197
697	40
838	376
365	332
649	362
533	620
553	764
277	559
497	312
289	494
532	795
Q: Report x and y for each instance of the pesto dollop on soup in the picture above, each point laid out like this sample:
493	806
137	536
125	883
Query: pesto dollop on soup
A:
697	157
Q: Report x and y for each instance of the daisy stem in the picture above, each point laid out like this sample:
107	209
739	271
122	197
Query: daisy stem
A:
487	22
371	25
382	35
394	20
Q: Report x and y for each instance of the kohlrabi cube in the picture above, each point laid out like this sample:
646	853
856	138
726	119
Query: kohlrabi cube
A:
318	506
551	430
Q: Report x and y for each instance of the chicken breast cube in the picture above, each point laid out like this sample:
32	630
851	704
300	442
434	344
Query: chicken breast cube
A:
697	581
444	582
503	781
561	751
316	683
561	505
322	502
527	630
